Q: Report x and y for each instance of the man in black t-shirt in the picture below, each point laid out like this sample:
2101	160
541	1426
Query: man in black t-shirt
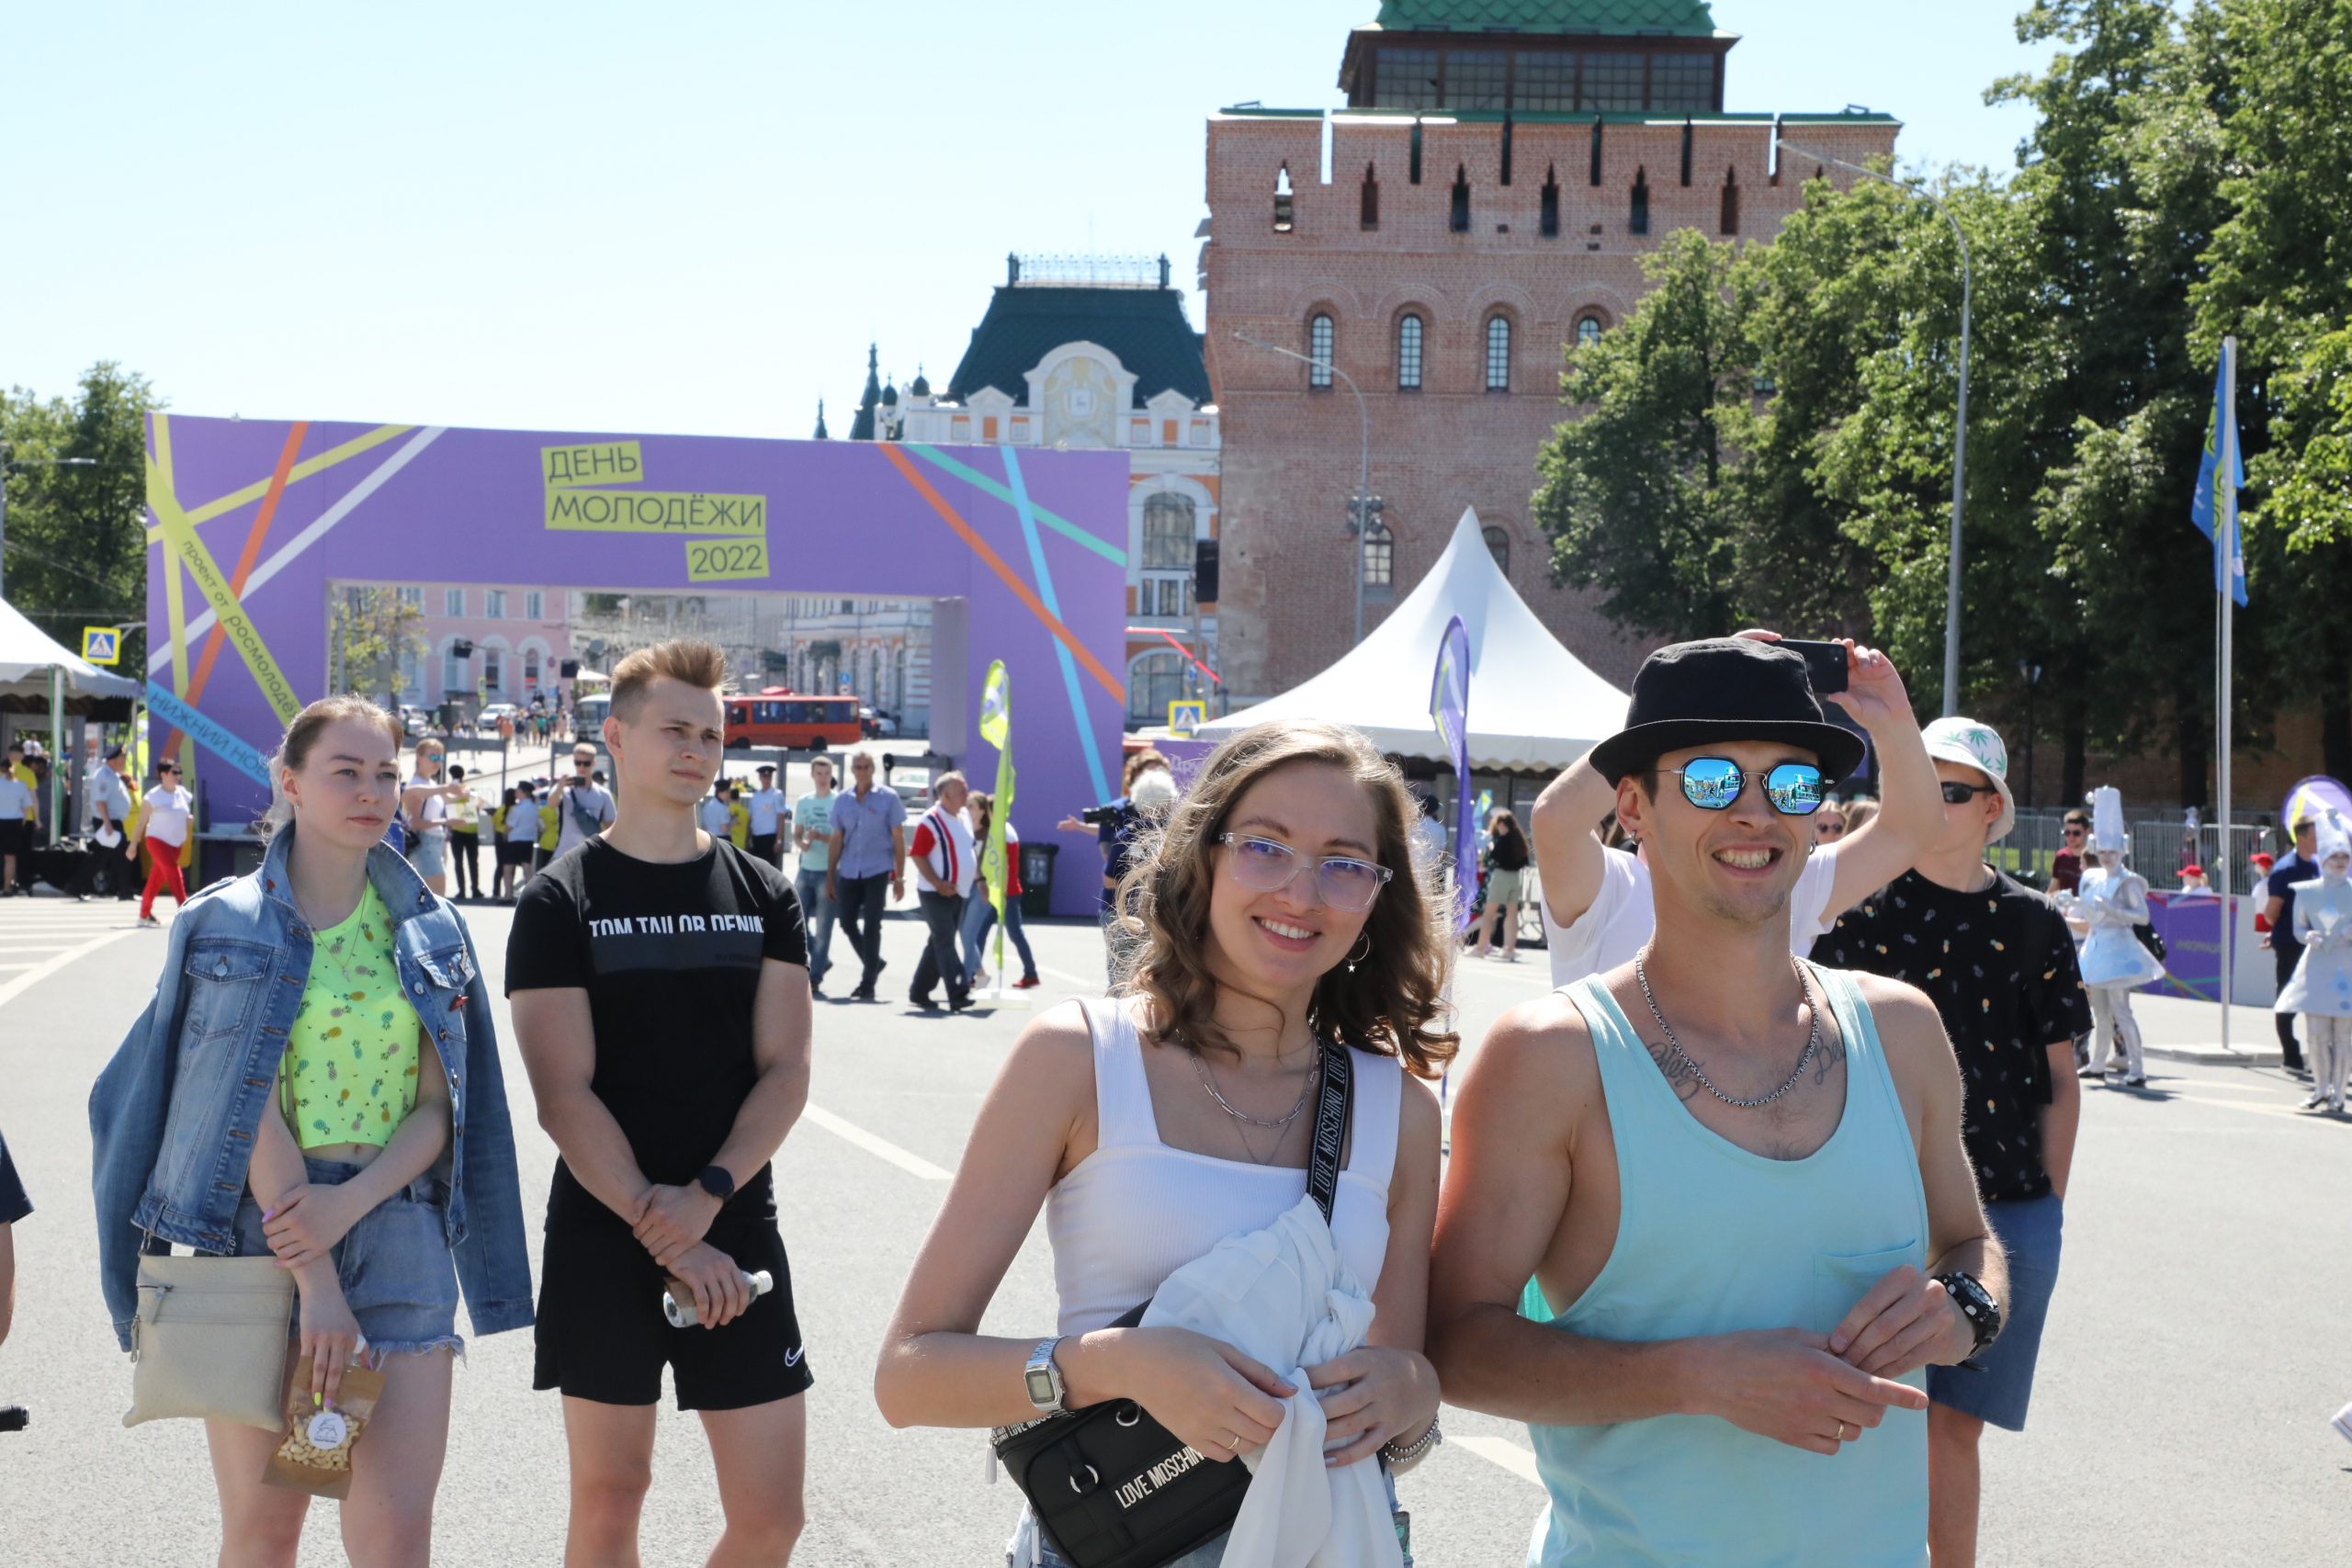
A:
660	985
1995	958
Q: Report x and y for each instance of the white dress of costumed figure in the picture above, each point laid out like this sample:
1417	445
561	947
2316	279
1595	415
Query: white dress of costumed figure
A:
2321	986
2112	903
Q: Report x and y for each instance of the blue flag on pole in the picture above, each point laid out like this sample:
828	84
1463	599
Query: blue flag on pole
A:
2207	511
1450	711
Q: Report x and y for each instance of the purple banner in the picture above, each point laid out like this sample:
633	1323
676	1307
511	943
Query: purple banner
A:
1450	711
2191	929
252	521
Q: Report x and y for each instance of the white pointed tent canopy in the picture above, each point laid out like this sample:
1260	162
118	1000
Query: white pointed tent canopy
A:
1532	704
27	654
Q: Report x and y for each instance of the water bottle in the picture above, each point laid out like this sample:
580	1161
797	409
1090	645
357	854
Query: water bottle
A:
682	1315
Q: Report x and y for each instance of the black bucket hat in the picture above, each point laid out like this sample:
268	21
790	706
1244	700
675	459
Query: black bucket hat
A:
1693	693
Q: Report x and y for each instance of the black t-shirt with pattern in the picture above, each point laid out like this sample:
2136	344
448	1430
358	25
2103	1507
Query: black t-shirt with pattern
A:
1999	965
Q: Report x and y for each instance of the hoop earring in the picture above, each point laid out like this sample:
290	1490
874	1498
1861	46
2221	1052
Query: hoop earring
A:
1356	958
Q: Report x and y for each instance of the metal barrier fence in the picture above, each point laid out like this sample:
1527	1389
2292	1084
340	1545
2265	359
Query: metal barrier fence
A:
2160	843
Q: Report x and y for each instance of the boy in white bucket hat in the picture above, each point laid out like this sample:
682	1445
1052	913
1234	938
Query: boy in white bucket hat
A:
1995	958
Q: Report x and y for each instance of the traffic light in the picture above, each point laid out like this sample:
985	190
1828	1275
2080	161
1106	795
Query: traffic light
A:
569	669
462	647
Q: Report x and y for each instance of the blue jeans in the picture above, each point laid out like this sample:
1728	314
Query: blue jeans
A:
395	1265
818	911
978	916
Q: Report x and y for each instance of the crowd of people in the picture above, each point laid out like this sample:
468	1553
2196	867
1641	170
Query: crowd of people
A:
1776	1172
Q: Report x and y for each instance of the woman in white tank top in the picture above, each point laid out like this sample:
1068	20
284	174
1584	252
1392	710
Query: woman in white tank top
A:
1279	909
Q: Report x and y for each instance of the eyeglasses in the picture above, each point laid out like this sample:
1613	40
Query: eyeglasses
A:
1957	794
1828	827
2074	832
583	761
1715	784
1268	865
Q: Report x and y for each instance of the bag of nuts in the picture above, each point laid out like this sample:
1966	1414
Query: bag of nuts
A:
315	1454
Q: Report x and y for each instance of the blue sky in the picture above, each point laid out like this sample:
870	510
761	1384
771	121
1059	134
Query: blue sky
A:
690	217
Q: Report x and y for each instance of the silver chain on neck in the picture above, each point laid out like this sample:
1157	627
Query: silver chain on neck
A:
1812	1043
1284	1120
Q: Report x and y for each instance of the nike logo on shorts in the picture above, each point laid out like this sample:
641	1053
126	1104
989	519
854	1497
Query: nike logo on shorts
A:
792	1356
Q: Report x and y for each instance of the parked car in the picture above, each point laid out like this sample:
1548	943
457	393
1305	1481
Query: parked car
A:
877	725
491	713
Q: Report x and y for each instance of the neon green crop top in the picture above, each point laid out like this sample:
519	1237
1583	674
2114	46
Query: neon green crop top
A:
349	1072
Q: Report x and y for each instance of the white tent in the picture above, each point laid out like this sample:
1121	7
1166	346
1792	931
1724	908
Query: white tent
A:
1532	702
27	656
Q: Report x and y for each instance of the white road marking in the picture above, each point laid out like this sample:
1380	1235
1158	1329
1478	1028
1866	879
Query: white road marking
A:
1087	983
1500	1452
850	1131
42	971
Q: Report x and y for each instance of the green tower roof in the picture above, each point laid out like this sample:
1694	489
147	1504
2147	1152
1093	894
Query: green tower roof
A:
1679	19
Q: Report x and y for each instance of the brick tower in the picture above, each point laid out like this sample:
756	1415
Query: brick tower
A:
1499	172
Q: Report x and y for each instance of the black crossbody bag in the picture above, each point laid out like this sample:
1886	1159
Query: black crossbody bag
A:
1112	1487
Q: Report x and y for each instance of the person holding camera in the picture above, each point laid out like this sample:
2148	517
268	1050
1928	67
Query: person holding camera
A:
584	807
1277	919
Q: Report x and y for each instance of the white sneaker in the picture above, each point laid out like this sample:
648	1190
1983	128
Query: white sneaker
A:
2315	1099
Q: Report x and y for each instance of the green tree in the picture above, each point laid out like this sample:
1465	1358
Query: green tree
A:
2276	75
76	546
1634	493
371	632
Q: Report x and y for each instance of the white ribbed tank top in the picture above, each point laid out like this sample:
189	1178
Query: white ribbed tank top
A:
1136	1211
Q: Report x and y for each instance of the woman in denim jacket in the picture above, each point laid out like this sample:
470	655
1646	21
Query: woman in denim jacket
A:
317	1077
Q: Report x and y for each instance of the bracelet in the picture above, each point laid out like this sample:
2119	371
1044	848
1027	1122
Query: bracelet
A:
1404	1453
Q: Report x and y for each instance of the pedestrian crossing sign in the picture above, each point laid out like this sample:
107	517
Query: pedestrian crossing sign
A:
1186	718
102	645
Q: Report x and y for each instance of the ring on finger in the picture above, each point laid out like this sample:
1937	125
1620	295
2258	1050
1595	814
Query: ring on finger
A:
1841	1431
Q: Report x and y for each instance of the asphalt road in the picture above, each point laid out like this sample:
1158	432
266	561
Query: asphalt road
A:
2194	1356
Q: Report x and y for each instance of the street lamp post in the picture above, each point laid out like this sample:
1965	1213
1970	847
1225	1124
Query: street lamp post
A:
1960	433
1360	519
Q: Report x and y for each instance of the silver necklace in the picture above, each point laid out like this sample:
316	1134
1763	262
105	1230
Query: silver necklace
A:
1682	1058
1279	1123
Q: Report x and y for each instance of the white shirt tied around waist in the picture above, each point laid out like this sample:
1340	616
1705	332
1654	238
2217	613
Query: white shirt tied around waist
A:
1137	1210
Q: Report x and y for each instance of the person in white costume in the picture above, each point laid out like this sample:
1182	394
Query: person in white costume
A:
2321	987
1597	906
1279	913
2111	901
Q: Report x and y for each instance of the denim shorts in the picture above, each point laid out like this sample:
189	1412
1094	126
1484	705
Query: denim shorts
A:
394	1265
2030	1231
430	855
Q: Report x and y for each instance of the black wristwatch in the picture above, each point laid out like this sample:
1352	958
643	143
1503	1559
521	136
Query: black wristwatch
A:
714	1180
1976	1304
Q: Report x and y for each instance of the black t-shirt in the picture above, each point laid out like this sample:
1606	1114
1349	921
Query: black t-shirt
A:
1999	965
669	956
14	1204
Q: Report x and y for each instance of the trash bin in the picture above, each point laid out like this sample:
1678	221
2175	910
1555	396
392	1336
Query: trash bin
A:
1037	879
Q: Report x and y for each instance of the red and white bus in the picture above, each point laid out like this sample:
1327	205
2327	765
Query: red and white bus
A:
794	720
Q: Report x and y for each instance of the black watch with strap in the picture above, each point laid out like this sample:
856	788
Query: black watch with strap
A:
715	1180
1977	1306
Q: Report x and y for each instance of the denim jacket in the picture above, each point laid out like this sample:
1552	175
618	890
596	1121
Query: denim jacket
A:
173	1115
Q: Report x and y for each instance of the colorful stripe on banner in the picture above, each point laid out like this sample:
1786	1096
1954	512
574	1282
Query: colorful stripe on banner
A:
986	486
1028	515
180	536
208	732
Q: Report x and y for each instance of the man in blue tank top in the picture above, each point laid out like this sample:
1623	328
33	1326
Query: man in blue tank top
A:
1709	1216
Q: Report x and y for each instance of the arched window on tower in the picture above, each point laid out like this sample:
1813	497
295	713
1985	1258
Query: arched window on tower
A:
1168	533
1551	223
1639	221
1499	353
1730	224
1379	559
1588	330
1282	200
1409	352
1458	214
1369	213
1319	334
1498	545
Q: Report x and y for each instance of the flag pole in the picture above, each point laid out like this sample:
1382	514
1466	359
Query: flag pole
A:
2225	481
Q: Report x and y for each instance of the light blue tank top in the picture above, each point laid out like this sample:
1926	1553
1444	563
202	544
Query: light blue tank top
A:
1711	1239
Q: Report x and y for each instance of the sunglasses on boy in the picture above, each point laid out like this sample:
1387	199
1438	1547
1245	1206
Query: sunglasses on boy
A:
1715	784
1958	794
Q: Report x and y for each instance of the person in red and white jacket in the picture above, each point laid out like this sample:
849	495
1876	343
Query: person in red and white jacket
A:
943	861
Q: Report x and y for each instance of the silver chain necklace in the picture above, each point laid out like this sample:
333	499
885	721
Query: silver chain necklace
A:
1280	1123
1812	1043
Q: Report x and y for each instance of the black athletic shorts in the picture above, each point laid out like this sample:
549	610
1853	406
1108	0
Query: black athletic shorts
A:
16	836
601	1335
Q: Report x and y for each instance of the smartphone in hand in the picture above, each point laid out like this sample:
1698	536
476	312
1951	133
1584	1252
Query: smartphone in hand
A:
1825	662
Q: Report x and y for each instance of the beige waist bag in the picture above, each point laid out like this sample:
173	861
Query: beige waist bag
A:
211	1340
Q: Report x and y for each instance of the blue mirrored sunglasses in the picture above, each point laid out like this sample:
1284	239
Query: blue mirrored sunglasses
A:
1714	783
